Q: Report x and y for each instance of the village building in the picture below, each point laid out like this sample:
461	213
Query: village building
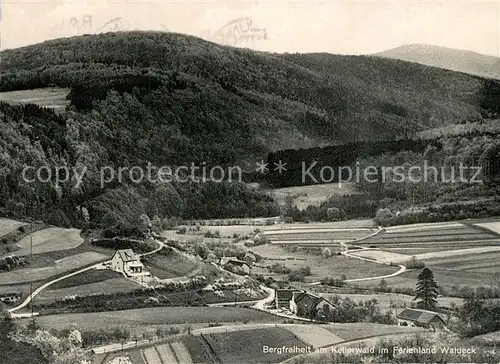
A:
225	261
420	318
283	297
303	302
125	261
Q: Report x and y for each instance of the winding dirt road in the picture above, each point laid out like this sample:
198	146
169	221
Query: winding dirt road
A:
36	292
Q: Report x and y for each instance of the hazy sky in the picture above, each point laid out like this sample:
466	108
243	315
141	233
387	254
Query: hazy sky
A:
290	26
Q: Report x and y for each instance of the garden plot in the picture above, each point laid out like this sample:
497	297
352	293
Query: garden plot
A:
164	353
48	240
60	266
314	335
134	357
247	346
8	225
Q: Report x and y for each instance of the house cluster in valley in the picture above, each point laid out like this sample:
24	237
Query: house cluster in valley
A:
307	304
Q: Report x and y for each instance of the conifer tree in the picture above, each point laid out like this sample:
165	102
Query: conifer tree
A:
427	290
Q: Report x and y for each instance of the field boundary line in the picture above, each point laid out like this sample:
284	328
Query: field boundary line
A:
159	355
174	353
211	352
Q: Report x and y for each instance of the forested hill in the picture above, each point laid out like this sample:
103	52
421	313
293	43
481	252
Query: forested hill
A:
172	99
221	102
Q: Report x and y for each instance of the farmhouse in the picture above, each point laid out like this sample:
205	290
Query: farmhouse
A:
304	302
283	297
225	261
125	261
421	318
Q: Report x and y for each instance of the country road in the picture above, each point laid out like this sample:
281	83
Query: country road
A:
48	284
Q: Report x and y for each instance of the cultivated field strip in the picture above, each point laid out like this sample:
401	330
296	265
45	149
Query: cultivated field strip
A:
431	239
418	249
460	229
424	226
449	243
317	230
182	354
166	353
324	242
151	356
487	262
345	235
434	238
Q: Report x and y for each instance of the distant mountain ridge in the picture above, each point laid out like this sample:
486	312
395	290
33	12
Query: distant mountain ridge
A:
448	58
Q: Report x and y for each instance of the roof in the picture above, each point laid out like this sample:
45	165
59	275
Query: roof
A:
285	294
298	296
232	260
420	316
127	255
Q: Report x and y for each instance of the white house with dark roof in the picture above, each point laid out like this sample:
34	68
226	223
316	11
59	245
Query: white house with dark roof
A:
127	262
304	302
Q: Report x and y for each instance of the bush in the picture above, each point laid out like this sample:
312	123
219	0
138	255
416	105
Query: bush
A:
384	217
182	230
279	268
385	319
326	252
334	282
299	275
414	264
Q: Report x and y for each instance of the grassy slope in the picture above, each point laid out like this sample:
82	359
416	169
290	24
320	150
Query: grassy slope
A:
156	316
